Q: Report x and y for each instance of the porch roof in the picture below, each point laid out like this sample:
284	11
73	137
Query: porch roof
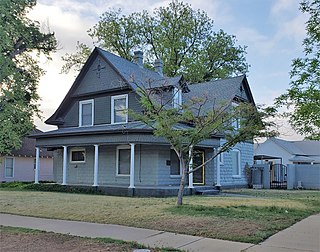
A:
132	132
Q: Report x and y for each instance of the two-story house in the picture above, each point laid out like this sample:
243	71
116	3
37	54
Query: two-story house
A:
97	143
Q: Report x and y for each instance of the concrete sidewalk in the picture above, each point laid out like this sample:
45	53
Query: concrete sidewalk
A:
303	236
152	238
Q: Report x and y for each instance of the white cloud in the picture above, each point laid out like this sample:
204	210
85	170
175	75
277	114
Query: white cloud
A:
283	5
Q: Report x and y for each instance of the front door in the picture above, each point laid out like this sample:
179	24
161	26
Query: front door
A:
198	175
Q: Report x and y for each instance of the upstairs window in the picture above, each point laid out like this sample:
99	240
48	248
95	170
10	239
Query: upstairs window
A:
86	113
119	109
177	98
236	120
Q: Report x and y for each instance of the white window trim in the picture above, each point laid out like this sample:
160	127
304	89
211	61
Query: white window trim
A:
177	98
77	149
239	164
5	167
91	101
121	147
235	121
116	97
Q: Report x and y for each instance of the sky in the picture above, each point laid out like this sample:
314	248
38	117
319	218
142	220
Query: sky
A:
272	30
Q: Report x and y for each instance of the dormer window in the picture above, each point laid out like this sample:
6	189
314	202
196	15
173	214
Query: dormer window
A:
236	120
119	109
86	110
177	98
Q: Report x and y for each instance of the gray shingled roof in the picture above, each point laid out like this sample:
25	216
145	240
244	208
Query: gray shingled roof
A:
218	92
136	75
300	148
106	128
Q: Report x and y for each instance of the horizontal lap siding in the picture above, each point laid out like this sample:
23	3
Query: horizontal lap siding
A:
102	110
227	179
146	161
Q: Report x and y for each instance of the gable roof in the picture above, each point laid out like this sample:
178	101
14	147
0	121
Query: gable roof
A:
219	91
136	75
299	148
131	73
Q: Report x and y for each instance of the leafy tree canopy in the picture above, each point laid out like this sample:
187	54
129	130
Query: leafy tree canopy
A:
304	92
186	125
182	37
21	39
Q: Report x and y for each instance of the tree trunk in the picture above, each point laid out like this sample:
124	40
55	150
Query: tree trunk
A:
182	185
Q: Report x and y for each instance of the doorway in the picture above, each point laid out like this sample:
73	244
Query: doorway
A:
198	175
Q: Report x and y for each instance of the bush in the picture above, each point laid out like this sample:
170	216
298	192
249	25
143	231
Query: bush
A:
51	187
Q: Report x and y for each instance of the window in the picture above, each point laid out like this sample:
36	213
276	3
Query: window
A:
235	121
9	167
123	160
235	161
175	169
78	155
177	98
86	109
119	109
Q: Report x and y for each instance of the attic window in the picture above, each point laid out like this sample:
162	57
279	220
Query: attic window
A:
86	109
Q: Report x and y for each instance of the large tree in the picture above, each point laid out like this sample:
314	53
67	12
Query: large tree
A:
185	125
184	38
21	41
303	96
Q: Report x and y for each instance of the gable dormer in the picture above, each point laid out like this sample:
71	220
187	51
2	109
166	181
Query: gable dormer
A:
105	89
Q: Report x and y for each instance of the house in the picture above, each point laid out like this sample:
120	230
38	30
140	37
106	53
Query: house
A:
20	164
98	144
281	151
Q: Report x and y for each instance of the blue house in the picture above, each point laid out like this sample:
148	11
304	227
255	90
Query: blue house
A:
98	144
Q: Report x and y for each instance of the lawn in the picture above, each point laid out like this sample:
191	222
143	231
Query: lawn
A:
250	218
21	239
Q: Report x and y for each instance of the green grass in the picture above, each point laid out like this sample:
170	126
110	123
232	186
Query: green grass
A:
247	219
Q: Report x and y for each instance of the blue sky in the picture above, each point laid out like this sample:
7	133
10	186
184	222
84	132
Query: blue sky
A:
272	30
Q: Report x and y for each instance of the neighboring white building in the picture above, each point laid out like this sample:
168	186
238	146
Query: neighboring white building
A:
280	151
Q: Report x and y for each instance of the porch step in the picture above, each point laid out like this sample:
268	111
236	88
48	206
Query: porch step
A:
206	191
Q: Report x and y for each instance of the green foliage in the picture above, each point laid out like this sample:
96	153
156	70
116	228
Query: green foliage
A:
182	37
304	92
185	125
19	70
76	60
50	187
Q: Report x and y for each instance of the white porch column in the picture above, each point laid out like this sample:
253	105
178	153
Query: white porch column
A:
132	166
64	168
36	174
190	169
218	171
96	165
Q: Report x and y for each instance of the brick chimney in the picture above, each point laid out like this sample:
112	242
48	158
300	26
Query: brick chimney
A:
138	58
158	66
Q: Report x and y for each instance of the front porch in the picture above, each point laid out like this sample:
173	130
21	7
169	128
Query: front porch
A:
128	162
